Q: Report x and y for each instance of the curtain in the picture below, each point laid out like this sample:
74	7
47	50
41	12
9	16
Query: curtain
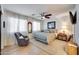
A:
16	24
22	25
13	22
36	26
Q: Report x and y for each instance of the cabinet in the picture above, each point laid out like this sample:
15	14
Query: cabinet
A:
71	49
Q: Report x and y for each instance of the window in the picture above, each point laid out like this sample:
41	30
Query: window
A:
16	25
13	23
22	25
36	26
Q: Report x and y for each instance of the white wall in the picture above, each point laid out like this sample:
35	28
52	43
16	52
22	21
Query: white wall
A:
5	37
77	26
64	20
60	19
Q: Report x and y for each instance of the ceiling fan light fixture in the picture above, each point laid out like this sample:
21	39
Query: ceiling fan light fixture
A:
43	17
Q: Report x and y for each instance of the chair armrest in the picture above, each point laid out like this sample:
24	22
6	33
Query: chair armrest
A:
25	36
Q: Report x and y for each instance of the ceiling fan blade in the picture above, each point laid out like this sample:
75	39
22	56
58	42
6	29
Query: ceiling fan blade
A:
48	15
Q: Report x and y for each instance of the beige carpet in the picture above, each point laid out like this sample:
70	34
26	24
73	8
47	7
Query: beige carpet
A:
56	47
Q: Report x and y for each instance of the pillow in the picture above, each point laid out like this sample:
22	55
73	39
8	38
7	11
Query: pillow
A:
46	31
62	36
21	37
52	30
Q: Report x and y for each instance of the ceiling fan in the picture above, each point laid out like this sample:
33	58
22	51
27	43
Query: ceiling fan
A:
44	15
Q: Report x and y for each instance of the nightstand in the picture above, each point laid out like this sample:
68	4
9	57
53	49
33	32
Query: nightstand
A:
71	49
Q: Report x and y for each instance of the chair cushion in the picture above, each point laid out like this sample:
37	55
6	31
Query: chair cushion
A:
26	39
21	37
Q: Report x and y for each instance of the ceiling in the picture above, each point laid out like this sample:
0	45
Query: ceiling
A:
36	9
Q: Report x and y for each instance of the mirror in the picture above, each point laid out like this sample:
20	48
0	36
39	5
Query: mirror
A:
29	27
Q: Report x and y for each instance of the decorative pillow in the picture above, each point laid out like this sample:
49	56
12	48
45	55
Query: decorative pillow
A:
46	31
52	30
21	37
62	36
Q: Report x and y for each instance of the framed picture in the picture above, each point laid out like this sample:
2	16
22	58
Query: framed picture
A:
51	25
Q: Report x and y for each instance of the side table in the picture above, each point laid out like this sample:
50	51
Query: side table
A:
71	49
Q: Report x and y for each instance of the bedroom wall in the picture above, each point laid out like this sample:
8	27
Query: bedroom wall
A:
6	39
64	21
4	36
77	25
0	29
3	31
60	20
